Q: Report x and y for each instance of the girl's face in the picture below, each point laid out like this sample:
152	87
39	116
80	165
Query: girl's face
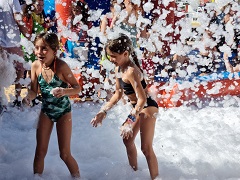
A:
43	52
76	10
38	6
116	58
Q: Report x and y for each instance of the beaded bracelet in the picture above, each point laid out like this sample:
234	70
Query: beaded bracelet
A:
132	118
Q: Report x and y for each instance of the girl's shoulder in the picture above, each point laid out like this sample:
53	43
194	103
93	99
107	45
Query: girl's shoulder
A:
61	64
133	71
36	63
59	61
36	66
128	73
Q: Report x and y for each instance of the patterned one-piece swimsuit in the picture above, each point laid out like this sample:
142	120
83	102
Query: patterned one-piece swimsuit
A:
52	106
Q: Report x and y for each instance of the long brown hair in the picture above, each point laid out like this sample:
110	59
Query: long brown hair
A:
120	45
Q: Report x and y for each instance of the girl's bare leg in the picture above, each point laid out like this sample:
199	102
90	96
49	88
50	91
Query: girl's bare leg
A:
44	130
147	127
131	148
64	132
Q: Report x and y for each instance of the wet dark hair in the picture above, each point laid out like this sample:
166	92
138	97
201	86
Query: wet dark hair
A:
51	39
121	44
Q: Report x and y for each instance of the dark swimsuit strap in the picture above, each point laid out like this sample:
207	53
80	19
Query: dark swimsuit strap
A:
54	65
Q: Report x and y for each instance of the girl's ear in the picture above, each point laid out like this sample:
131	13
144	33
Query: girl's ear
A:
126	53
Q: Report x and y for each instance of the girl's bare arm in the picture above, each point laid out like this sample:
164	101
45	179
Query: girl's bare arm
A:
69	78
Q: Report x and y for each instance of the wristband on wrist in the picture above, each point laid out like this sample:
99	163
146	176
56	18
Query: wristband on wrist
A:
132	118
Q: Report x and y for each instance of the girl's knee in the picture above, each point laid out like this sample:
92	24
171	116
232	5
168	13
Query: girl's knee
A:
128	142
64	156
147	150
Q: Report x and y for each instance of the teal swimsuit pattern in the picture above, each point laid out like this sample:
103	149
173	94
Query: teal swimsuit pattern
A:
52	106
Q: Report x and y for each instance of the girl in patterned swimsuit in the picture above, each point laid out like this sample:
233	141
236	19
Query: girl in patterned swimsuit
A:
56	82
144	109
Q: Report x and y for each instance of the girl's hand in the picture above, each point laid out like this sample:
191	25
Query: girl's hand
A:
126	129
58	92
97	120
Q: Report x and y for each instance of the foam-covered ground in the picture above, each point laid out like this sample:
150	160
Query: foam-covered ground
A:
190	143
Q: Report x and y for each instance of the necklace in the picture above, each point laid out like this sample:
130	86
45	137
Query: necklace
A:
48	67
48	75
